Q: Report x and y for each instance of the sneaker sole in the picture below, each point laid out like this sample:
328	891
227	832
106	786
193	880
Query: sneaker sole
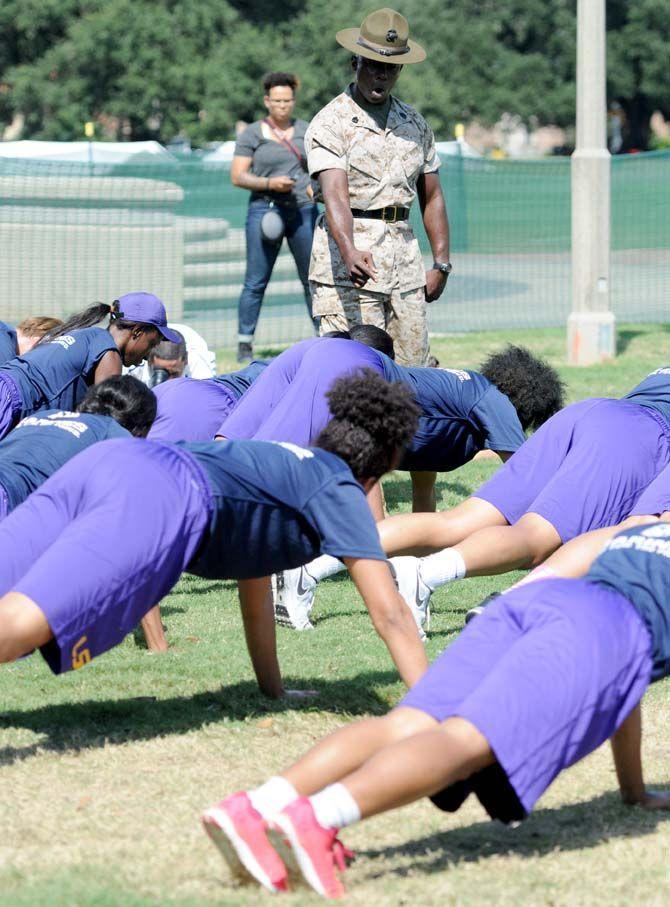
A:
297	860
283	619
235	851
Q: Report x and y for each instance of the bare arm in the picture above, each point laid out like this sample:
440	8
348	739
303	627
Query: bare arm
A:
390	615
335	190
241	176
436	224
626	746
626	749
423	492
154	634
375	498
109	366
259	630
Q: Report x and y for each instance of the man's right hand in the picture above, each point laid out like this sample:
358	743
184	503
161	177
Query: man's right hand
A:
281	183
361	267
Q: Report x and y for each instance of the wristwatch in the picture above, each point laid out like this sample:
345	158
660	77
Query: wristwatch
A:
445	267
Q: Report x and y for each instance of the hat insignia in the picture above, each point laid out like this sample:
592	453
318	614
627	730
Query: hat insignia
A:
391	36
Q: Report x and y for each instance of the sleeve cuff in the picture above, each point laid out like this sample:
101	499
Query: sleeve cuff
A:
432	166
322	159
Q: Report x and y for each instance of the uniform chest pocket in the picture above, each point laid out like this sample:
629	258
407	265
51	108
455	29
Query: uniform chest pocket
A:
411	156
366	160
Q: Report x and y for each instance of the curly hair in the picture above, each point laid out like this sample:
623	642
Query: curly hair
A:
275	79
532	385
373	421
126	400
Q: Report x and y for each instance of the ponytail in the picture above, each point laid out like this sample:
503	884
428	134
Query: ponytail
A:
88	318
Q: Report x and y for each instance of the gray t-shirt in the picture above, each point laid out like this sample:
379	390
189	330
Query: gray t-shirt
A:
272	158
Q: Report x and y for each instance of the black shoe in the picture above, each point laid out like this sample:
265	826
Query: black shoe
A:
479	609
245	352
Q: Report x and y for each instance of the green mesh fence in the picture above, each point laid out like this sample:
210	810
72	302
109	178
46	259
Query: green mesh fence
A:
74	233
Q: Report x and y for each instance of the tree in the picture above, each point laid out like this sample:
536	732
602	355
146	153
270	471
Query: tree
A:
637	61
153	68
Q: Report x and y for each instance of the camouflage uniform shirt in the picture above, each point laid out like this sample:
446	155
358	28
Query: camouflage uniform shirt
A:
382	166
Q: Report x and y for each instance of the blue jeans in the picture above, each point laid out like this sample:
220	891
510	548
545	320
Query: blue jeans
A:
261	256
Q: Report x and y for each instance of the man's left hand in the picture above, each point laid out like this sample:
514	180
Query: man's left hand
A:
436	281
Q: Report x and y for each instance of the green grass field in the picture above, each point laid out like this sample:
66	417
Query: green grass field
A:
103	772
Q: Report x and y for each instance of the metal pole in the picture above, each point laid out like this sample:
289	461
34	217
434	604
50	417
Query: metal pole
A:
591	324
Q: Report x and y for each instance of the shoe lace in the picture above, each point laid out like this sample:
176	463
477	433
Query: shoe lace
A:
342	855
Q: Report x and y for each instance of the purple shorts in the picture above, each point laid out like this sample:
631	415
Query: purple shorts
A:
547	673
102	541
294	408
190	410
655	499
10	404
583	469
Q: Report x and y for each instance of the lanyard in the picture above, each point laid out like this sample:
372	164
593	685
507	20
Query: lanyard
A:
285	142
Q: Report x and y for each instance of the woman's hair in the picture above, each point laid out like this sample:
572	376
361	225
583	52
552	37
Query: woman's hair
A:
337	335
38	325
532	385
372	336
126	400
91	316
373	420
275	79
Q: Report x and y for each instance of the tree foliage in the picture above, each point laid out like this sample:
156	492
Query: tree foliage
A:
155	68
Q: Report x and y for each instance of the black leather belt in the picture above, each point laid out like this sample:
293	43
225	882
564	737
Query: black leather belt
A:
391	213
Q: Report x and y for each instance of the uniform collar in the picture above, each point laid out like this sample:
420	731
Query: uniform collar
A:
360	117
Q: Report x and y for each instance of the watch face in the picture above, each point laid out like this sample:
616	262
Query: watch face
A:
444	267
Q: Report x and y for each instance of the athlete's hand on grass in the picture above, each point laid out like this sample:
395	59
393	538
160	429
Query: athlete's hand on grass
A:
300	694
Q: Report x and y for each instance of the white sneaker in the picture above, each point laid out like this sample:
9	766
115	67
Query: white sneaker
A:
407	574
293	594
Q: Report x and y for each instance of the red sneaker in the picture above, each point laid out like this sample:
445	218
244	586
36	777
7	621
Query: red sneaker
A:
314	851
239	832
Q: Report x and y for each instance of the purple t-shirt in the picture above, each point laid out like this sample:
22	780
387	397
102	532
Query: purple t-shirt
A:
288	401
189	410
192	410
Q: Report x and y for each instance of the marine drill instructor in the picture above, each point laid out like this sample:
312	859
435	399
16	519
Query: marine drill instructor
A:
372	155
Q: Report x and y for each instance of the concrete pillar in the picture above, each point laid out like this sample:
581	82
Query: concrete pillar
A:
591	324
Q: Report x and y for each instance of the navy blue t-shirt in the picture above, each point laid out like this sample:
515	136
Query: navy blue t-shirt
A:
278	506
41	444
654	392
239	382
8	346
636	563
56	375
461	414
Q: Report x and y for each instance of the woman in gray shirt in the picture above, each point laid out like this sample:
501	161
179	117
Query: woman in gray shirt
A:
270	161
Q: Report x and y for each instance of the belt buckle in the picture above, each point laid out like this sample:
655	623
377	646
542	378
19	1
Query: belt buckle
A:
390	218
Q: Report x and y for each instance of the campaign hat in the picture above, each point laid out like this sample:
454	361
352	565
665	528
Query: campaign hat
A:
383	36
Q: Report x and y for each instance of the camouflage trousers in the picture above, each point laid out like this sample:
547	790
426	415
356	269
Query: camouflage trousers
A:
402	315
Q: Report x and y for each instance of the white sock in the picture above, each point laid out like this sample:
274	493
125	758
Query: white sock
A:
270	798
442	567
334	807
323	566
